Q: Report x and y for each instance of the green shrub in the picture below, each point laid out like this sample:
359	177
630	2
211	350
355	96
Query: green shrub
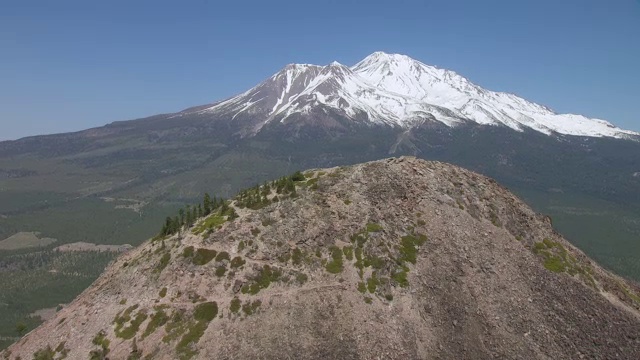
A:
374	261
223	255
400	277
359	262
557	259
203	256
206	311
335	265
185	348
164	261
237	262
285	257
124	317
157	320
44	354
555	264
163	292
234	307
296	256
372	283
265	277
348	252
221	270
250	308
409	247
187	252
313	183
298	176
101	340
176	326
362	287
373	227
130	331
494	219
301	278
359	239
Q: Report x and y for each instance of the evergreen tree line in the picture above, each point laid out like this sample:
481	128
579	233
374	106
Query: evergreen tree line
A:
256	197
188	215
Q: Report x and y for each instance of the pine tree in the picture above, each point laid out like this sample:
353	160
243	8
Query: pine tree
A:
167	227
215	203
181	212
189	217
207	204
177	225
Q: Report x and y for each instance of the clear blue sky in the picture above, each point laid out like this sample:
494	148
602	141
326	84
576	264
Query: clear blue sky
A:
70	65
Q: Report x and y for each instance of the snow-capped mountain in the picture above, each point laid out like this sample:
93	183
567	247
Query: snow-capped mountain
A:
397	90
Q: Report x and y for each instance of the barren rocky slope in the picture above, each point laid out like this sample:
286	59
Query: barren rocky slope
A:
396	259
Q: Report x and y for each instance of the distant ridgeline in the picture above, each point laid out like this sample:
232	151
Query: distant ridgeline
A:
253	198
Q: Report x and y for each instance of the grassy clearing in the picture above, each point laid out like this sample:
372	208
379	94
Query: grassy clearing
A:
211	222
557	259
373	227
24	240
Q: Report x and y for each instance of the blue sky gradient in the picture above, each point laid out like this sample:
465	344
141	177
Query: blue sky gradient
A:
69	65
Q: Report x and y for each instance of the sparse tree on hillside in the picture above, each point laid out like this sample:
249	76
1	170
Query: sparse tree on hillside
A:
207	204
188	217
177	225
21	328
181	213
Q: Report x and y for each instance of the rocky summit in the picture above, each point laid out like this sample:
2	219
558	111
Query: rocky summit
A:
396	259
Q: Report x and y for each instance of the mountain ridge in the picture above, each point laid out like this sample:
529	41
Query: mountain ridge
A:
396	90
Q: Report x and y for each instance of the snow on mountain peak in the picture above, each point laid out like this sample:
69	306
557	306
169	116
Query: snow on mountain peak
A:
397	90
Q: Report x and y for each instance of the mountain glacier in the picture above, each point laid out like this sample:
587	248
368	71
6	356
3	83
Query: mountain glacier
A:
396	90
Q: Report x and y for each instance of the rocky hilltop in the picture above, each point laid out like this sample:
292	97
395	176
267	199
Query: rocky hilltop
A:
397	259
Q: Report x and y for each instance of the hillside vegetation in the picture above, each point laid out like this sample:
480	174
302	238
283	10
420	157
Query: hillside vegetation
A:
399	258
